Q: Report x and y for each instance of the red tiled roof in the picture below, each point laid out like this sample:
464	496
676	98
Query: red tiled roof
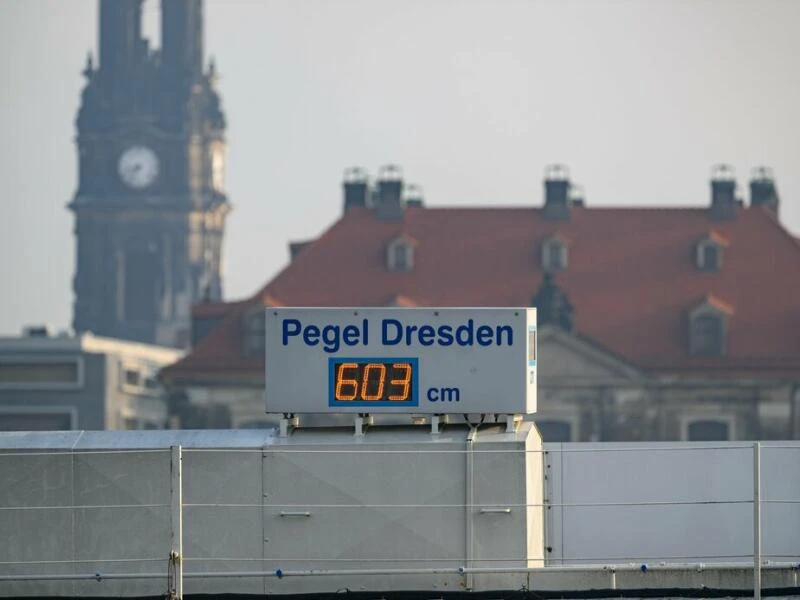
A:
631	277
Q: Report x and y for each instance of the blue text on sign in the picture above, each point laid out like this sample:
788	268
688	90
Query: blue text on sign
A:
395	333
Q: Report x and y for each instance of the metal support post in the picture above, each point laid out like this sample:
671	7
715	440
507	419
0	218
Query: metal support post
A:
176	524
613	582
436	422
435	425
513	423
756	521
361	422
470	501
287	424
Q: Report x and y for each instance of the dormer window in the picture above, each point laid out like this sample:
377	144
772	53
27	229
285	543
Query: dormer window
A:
400	254
708	325
709	252
554	254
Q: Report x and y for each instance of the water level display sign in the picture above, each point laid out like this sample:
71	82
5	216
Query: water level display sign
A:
400	360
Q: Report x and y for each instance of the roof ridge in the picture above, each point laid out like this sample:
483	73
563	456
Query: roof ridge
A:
538	207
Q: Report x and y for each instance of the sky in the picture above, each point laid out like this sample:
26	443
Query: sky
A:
472	98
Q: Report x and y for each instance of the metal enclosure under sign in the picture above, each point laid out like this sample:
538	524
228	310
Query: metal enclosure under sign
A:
403	499
97	513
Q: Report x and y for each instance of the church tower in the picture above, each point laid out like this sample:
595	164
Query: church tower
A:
150	206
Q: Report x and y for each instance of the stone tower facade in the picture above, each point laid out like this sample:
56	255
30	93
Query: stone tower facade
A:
150	206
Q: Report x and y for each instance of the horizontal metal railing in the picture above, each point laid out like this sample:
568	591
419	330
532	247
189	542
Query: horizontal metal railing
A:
178	567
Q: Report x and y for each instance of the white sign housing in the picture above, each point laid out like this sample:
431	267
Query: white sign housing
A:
401	360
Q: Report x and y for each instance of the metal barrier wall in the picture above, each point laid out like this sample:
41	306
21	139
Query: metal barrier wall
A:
203	513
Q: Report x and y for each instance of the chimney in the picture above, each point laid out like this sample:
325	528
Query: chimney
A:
762	189
414	195
355	187
577	196
390	201
557	201
723	193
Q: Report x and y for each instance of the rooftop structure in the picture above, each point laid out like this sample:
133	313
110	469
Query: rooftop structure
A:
80	382
693	297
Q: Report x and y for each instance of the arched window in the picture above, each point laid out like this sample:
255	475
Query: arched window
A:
141	288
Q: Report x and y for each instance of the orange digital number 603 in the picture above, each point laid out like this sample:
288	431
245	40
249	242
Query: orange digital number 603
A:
361	382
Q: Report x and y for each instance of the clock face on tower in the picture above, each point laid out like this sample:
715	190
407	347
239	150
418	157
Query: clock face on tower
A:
138	167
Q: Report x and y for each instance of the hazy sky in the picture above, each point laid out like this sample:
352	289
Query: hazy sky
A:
472	98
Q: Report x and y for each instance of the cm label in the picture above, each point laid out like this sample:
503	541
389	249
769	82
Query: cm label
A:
443	394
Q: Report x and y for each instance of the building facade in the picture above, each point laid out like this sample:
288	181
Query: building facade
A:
150	205
655	323
81	382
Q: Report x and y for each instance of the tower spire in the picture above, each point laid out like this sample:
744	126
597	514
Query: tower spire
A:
182	37
121	40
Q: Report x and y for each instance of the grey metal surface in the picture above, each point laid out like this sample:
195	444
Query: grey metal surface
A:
128	440
393	499
394	508
668	502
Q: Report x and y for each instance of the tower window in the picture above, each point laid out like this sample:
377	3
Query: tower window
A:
400	254
141	292
554	254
